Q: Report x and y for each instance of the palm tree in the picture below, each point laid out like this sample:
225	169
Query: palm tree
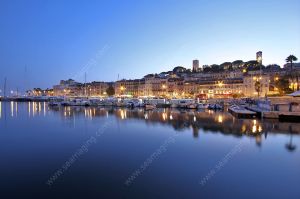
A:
257	88
290	146
290	59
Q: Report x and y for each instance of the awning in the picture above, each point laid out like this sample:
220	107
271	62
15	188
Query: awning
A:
295	94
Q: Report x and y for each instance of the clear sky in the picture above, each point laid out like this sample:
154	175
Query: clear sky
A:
44	41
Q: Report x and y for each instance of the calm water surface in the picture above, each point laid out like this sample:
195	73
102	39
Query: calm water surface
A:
121	153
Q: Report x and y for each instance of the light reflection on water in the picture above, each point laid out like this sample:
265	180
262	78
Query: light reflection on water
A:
47	136
178	119
197	121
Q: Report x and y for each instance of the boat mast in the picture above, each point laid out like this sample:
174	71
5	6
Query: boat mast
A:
4	88
25	80
85	84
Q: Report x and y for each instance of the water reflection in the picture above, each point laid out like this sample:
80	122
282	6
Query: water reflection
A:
12	109
220	118
29	109
290	146
198	122
208	120
44	109
37	108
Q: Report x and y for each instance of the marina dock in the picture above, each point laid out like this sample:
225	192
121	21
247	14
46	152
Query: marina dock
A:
242	113
289	116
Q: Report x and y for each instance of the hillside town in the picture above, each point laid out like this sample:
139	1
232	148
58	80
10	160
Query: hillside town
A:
229	80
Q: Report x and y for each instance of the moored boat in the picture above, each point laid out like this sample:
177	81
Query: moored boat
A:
191	106
202	106
150	106
215	106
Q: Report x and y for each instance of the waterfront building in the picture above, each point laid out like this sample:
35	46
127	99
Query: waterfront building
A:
158	86
68	88
155	86
96	89
129	87
296	66
175	88
74	89
141	88
257	85
190	89
230	79
227	75
294	75
220	88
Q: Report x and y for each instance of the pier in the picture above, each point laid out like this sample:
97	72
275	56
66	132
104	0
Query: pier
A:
242	113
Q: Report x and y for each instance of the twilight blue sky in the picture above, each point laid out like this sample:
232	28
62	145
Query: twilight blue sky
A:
44	41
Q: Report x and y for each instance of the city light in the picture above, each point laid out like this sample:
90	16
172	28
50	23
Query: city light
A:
220	84
12	108
164	115
211	89
220	119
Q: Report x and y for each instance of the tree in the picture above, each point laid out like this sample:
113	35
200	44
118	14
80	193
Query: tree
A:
271	67
226	66
257	87
206	69
216	68
251	65
237	64
110	91
293	74
283	85
179	69
290	59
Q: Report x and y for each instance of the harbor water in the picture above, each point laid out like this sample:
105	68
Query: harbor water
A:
106	152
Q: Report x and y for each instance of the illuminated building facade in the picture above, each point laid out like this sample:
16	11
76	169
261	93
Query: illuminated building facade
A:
257	85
